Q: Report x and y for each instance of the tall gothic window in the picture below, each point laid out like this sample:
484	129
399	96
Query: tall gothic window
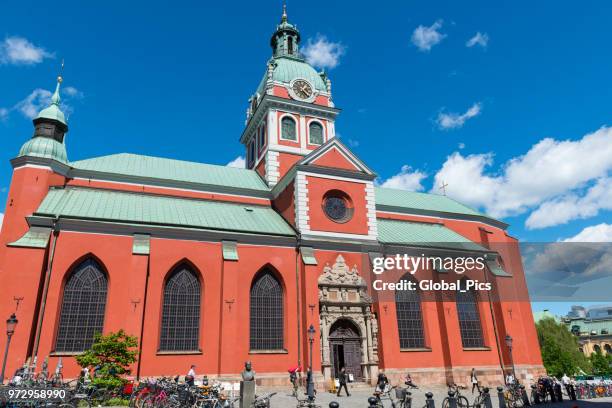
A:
83	305
180	328
469	319
288	129
267	314
409	317
315	133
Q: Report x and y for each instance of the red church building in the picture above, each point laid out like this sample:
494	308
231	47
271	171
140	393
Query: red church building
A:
214	265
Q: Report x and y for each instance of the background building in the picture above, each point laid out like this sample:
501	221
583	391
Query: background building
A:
212	265
592	326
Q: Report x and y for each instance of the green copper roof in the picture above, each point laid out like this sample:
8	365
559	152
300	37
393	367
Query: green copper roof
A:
44	147
421	234
35	237
177	170
287	69
413	200
133	208
53	111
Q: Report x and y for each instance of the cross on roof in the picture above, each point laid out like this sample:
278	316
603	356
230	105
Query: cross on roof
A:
443	187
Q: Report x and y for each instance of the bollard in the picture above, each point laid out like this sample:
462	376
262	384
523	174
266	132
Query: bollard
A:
429	402
334	404
500	397
452	400
408	400
535	396
524	396
373	402
486	396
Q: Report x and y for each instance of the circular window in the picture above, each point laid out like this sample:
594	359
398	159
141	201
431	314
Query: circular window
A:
337	206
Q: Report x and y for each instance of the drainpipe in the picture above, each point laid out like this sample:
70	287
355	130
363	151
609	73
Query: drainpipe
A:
41	312
499	352
297	297
144	308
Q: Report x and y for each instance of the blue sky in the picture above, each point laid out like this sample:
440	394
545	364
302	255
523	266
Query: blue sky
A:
498	100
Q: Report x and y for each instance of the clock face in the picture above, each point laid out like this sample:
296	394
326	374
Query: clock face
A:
302	89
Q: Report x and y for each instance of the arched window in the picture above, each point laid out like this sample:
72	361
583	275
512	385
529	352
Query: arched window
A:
469	318
315	134
267	314
180	328
597	348
608	348
290	42
409	317
83	305
288	129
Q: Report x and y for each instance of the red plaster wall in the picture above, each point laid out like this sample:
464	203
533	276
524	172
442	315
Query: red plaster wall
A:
317	187
334	159
285	204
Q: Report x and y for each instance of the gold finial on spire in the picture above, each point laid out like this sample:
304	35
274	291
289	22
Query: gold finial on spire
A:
60	77
284	17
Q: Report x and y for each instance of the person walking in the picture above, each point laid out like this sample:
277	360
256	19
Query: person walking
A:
474	380
342	379
190	377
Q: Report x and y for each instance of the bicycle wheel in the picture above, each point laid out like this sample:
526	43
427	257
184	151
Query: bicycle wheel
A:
462	402
445	402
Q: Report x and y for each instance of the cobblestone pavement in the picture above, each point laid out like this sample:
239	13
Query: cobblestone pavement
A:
359	399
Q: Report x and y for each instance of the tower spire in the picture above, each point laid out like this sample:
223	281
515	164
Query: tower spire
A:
55	99
284	16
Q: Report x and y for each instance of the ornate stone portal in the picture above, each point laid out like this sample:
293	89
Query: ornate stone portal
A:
349	329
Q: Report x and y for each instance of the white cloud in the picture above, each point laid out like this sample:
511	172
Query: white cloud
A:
594	233
34	102
323	53
571	206
550	170
71	91
478	39
4	112
461	145
1	219
19	51
454	120
237	162
406	179
424	38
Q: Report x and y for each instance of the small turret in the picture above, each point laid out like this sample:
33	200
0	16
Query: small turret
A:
50	127
286	39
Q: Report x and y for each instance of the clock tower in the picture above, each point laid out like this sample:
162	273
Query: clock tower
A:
291	113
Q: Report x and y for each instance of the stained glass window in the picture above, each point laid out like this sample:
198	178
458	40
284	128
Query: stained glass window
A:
83	306
409	317
180	328
267	313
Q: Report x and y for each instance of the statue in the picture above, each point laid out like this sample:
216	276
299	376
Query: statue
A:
247	386
248	374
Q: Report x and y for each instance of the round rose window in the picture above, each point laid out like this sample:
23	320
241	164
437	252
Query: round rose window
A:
337	206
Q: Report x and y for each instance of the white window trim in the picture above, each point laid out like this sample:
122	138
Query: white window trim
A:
280	125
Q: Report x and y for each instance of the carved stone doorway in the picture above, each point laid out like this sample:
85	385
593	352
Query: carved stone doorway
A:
349	329
345	348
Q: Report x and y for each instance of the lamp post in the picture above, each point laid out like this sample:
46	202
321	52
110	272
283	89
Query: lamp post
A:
11	322
311	334
310	381
509	345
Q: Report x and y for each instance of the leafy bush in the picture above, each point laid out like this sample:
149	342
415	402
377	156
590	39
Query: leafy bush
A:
112	354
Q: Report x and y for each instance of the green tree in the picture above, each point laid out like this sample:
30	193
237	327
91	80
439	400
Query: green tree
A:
112	354
602	365
560	351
